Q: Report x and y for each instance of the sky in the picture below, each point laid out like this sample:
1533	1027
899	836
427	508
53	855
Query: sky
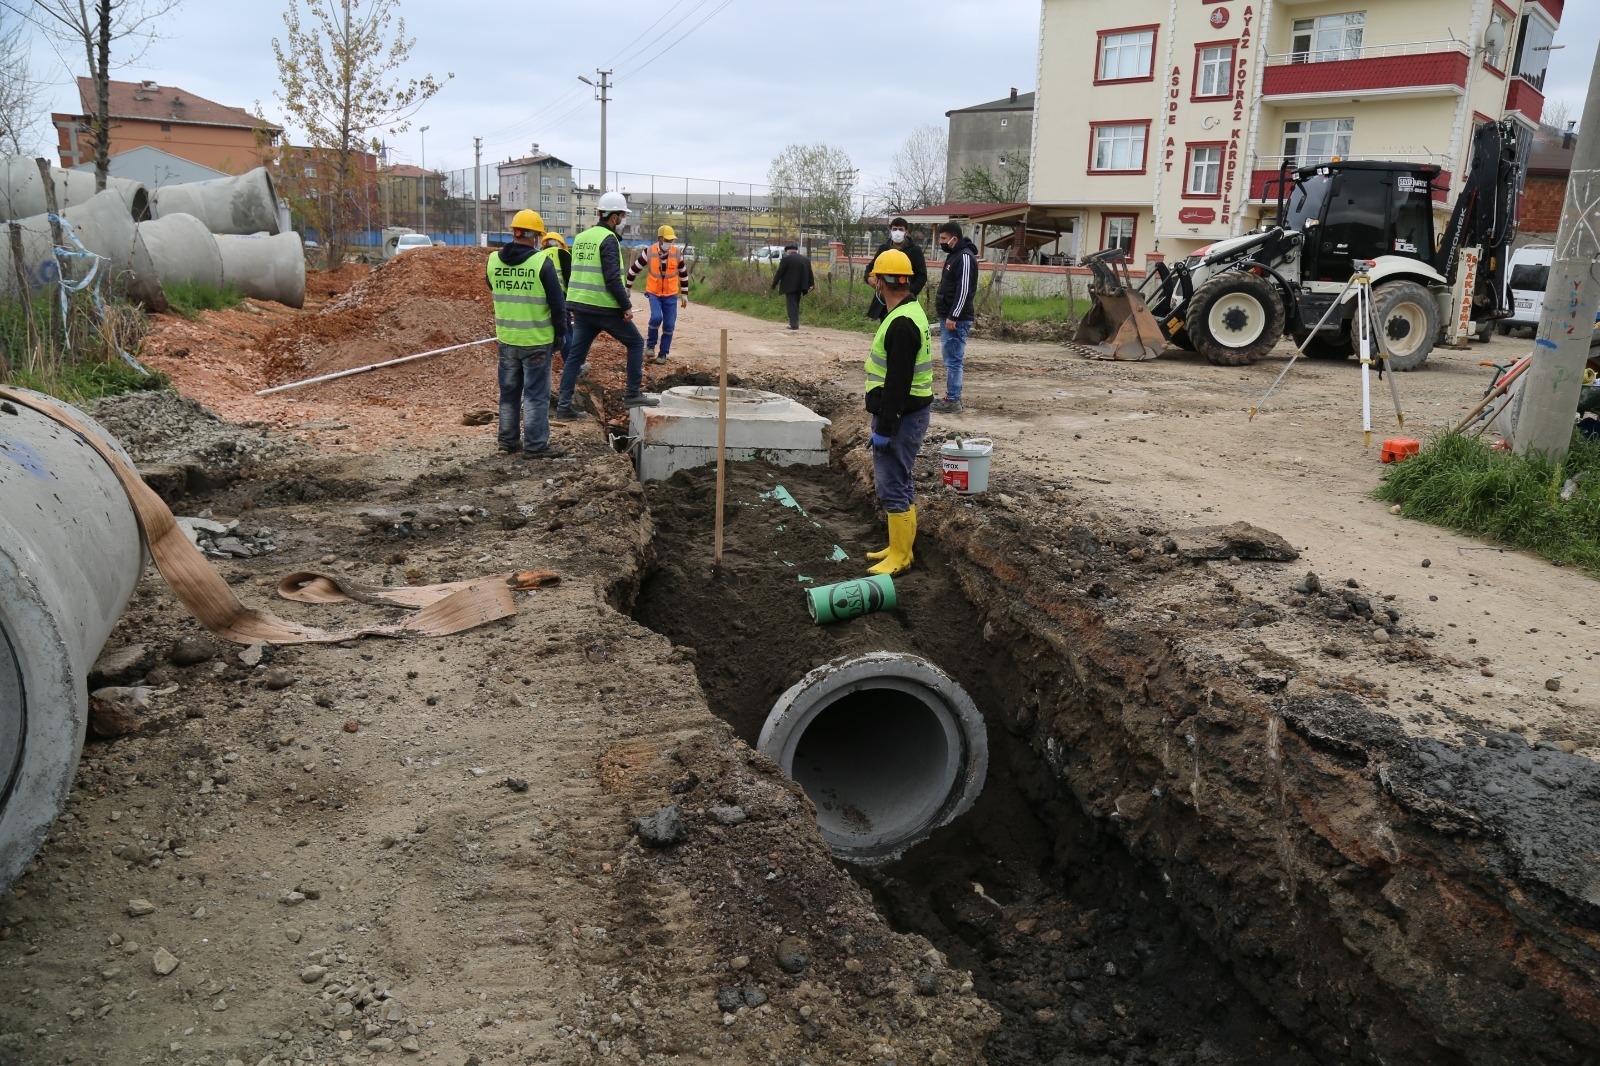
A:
704	88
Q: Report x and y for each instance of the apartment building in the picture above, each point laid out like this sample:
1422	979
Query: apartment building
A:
146	114
541	182
1161	125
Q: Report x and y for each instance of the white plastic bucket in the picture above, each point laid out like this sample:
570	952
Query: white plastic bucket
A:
966	464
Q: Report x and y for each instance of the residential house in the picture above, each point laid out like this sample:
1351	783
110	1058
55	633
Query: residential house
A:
542	182
176	121
1545	191
988	137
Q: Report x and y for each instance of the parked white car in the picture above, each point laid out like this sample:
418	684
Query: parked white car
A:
409	241
769	254
1526	275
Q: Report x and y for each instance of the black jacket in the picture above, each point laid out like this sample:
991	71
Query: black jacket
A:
794	274
555	291
919	273
901	343
958	284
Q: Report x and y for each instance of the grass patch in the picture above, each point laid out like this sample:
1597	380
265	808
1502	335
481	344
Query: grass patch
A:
83	383
34	356
1458	483
189	298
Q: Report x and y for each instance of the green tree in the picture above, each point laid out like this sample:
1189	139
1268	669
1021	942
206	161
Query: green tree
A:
339	85
814	182
1008	185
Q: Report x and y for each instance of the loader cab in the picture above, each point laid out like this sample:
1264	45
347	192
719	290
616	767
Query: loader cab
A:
1360	210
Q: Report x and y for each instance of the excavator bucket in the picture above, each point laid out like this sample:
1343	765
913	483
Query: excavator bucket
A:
1118	325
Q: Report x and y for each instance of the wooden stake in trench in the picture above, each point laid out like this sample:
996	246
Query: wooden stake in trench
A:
722	448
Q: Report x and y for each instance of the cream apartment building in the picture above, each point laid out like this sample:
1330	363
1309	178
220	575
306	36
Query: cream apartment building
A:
1160	125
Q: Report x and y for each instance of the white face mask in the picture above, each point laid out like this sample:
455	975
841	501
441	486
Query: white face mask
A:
897	235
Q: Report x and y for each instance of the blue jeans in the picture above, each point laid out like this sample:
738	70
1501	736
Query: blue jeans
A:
663	313
954	343
525	397
586	326
891	467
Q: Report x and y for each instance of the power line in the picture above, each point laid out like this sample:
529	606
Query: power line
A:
713	14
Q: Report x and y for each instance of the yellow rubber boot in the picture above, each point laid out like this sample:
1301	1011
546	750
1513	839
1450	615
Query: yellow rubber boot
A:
902	533
884	554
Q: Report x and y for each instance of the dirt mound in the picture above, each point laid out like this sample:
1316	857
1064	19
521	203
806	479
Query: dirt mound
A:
163	427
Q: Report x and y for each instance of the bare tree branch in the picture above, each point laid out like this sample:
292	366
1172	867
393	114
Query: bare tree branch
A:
19	89
916	174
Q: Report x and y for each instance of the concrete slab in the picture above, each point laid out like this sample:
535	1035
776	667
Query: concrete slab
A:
682	432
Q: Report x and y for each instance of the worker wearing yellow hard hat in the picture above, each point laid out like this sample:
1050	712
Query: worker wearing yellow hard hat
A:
666	287
899	392
530	323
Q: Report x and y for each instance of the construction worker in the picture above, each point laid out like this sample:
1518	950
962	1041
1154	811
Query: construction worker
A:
899	393
899	237
530	321
601	303
666	287
555	246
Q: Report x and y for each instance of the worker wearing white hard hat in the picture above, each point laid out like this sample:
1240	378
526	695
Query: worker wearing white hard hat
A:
601	303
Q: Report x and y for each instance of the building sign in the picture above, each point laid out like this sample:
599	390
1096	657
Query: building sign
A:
1241	78
1469	285
1197	215
1219	18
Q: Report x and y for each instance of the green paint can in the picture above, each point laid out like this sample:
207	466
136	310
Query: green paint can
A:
850	599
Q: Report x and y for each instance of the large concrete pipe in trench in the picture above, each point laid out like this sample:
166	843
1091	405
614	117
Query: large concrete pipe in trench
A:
182	249
23	190
105	226
268	268
242	204
70	556
886	745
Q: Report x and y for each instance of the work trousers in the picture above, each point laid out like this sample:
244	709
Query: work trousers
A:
525	397
586	326
793	300
663	314
954	344
891	466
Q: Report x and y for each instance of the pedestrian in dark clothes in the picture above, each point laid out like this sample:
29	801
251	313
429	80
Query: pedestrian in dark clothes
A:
794	279
956	306
899	239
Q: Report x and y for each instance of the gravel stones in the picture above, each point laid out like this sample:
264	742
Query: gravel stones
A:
729	999
138	908
277	678
728	815
191	651
163	962
312	974
663	828
1310	584
792	955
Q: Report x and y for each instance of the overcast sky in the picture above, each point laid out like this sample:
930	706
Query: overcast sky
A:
748	79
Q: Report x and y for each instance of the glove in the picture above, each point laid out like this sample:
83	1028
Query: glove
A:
880	442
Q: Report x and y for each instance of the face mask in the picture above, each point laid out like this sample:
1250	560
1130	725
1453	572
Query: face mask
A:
897	235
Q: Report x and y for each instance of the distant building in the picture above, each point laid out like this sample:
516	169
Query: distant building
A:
586	205
981	135
155	168
1549	166
179	123
540	182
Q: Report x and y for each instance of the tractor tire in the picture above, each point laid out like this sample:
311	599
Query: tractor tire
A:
1235	319
1325	345
1407	322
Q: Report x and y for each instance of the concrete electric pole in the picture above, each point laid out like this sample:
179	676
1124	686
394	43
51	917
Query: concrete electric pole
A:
477	190
424	179
1550	393
601	93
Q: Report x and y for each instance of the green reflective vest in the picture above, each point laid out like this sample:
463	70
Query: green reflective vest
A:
878	361
521	315
588	284
550	255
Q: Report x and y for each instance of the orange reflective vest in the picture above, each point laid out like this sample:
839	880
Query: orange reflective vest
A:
663	280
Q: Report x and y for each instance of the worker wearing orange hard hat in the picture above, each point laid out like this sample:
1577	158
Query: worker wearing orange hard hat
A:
899	393
530	322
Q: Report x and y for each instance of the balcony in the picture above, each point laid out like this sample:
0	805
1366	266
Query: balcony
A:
1553	7
1264	188
1522	98
1417	68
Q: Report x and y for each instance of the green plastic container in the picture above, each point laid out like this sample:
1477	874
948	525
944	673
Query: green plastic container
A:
850	599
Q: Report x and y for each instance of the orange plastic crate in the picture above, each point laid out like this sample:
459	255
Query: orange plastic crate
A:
1399	449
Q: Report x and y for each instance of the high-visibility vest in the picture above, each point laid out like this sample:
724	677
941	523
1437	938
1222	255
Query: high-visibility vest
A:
588	285
551	255
521	314
663	280
878	361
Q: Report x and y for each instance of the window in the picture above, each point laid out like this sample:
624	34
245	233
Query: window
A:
544	179
561	198
1533	50
1119	148
1117	231
310	172
561	183
1328	38
1498	35
1127	55
561	216
166	127
1205	170
1004	123
1213	71
1316	140
544	198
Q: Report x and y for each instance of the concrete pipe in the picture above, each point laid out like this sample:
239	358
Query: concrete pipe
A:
70	556
268	268
886	745
245	203
105	227
182	249
22	189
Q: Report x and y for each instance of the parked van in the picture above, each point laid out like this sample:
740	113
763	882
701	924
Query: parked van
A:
1528	273
768	254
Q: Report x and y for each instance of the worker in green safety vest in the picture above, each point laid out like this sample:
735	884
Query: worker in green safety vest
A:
530	321
899	392
601	303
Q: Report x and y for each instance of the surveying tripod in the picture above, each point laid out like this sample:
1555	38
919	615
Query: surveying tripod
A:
1369	345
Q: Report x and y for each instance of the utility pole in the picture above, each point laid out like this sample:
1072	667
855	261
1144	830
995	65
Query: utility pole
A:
602	93
1554	377
424	180
477	191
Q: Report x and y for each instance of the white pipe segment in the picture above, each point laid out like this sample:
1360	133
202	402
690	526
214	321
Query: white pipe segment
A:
243	204
267	268
182	249
105	227
22	189
70	556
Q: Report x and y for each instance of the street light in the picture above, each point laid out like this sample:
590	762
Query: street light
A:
425	180
601	94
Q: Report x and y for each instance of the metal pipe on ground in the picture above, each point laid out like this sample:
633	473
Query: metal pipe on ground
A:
70	556
105	227
23	192
886	745
243	204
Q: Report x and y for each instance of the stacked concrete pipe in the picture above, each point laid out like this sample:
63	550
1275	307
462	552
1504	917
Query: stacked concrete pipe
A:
182	249
23	191
268	268
244	204
104	225
70	556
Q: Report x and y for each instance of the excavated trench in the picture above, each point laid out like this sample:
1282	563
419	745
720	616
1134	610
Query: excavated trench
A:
1073	940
